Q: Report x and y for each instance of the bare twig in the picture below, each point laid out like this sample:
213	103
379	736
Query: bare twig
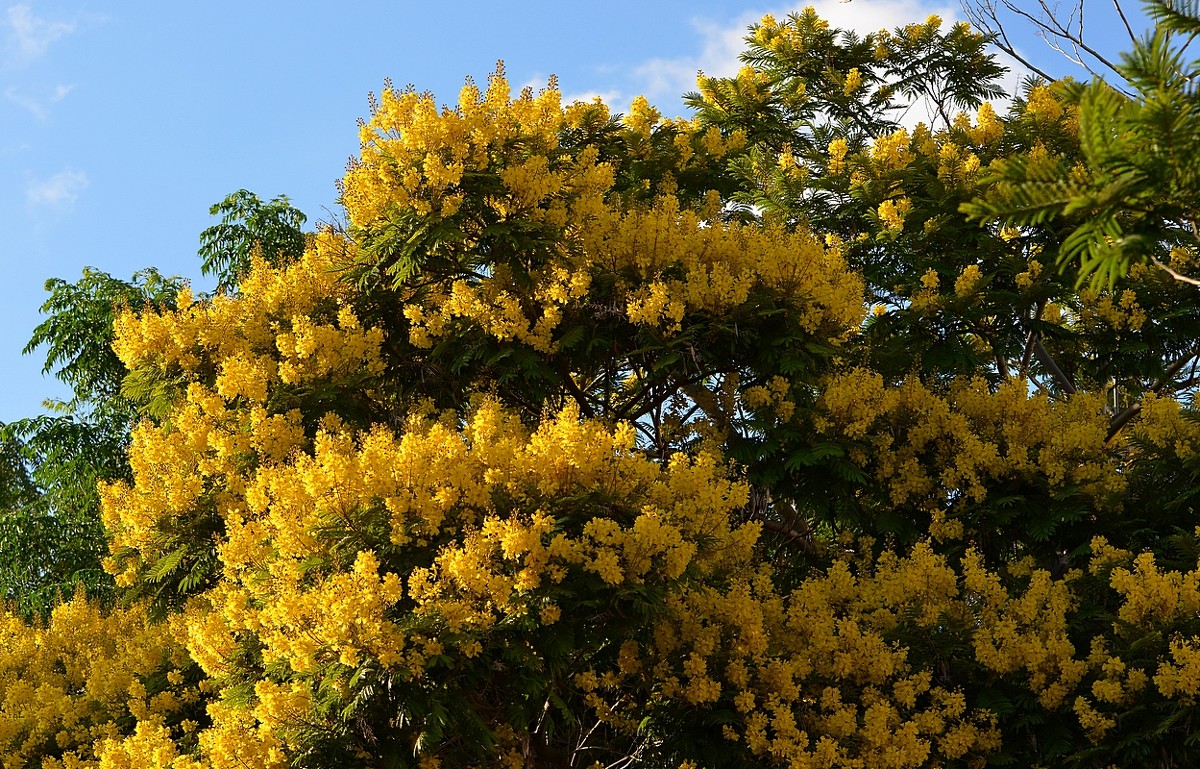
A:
1049	23
1001	365
985	18
577	394
1023	370
1128	29
1062	31
1042	388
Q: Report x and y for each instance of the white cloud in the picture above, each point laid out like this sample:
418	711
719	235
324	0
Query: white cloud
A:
865	16
62	188
718	57
30	36
38	107
536	82
611	98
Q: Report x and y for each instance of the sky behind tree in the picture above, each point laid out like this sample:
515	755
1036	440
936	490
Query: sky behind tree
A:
122	122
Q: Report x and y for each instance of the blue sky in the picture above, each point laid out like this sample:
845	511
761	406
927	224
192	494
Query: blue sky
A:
122	122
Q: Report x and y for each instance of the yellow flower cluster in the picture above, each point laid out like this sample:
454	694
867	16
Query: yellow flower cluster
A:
1180	677
987	129
1045	107
1026	632
957	164
1116	684
1116	311
70	688
275	493
234	357
1153	603
892	213
714	267
1041	106
642	117
718	264
968	280
774	36
432	481
929	450
721	265
837	156
1152	595
853	81
810	671
772	396
1026	279
1163	425
293	324
892	152
496	307
414	155
812	675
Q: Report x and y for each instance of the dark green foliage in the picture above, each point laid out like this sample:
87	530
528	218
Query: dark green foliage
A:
273	229
78	330
51	537
64	456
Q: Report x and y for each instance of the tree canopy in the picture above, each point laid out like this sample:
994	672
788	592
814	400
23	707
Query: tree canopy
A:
847	422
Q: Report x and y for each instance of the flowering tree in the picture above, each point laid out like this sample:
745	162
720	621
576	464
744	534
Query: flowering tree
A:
765	437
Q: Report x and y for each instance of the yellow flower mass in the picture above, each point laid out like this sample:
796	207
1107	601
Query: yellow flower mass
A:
563	452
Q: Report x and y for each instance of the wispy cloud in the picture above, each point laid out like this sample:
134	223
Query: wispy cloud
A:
39	107
61	189
29	36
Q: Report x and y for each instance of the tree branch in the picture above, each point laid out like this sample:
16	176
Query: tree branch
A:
1023	372
1122	419
568	380
1056	373
1067	38
803	539
1175	275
